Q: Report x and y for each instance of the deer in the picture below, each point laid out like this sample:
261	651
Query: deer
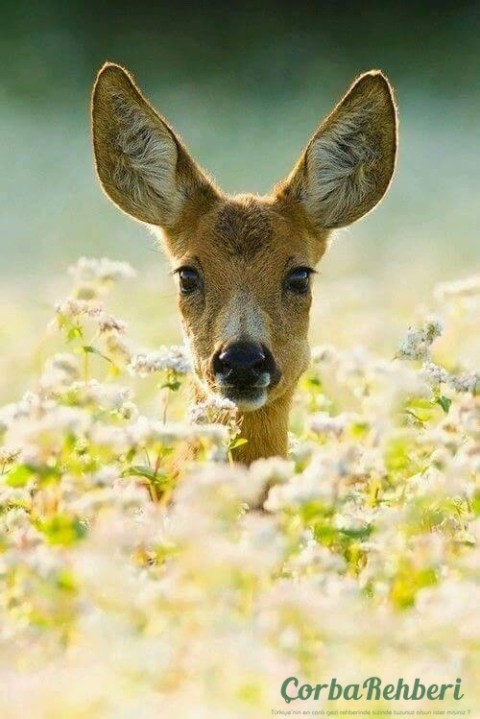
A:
244	263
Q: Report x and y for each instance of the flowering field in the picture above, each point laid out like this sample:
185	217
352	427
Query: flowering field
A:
129	590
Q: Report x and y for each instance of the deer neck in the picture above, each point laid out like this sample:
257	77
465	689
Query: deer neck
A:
265	429
266	432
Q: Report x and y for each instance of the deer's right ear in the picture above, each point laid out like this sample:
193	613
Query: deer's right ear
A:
348	164
141	164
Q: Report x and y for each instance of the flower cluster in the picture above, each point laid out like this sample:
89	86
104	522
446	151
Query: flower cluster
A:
88	271
144	574
460	288
166	358
417	343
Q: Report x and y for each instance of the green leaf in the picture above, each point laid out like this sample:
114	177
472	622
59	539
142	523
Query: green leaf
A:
237	443
89	349
399	455
415	417
315	512
66	581
359	429
324	533
444	402
147	472
475	503
19	476
422	409
174	385
74	333
408	582
361	533
62	529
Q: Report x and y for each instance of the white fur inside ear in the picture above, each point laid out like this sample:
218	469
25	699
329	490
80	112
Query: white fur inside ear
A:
146	159
338	164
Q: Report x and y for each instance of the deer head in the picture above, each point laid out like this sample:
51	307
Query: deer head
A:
243	264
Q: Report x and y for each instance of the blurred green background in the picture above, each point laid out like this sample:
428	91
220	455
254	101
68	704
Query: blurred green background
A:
245	85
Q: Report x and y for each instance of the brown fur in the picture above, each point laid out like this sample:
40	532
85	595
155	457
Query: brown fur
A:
244	245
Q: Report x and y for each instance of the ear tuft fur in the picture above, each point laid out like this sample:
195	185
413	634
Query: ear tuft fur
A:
141	164
348	164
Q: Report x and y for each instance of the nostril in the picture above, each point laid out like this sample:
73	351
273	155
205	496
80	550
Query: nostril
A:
224	360
241	361
259	362
221	363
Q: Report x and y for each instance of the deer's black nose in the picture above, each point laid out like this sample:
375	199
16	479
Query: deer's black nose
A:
243	364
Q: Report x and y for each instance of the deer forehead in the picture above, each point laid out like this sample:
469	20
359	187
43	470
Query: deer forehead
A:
244	229
247	239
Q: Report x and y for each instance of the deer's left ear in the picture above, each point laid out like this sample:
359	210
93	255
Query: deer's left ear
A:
348	164
142	165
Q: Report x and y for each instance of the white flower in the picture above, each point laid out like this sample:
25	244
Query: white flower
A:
323	353
125	495
59	372
105	476
460	383
459	288
45	428
173	358
301	489
323	423
106	396
211	409
117	347
468	413
273	470
262	475
434	374
75	308
315	557
108	323
466	382
416	344
354	518
88	269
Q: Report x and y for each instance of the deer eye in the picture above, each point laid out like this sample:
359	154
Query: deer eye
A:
188	280
298	280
